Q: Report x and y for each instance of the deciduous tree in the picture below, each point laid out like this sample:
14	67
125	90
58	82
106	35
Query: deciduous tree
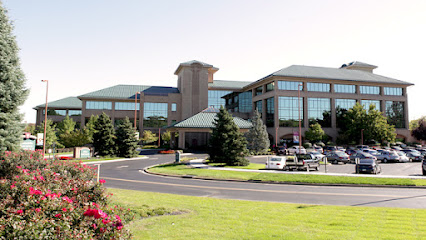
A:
315	133
420	131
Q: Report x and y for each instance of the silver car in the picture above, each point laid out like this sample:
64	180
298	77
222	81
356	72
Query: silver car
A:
388	156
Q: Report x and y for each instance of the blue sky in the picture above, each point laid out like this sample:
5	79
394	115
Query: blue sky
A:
82	46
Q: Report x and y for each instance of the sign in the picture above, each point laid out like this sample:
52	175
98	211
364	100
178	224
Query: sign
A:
85	153
27	135
295	137
28	144
137	135
39	139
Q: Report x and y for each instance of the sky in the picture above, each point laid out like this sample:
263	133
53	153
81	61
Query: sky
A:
82	46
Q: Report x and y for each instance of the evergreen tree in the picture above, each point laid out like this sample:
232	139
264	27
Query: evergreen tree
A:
315	133
90	126
104	136
76	138
227	143
66	126
257	137
12	87
126	139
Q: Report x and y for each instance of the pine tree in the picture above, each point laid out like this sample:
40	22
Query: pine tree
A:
126	139
66	126
12	87
227	143
104	136
257	137
90	126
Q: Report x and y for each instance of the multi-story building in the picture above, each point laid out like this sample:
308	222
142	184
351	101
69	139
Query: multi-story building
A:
324	92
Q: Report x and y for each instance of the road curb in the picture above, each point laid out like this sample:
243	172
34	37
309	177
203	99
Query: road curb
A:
146	170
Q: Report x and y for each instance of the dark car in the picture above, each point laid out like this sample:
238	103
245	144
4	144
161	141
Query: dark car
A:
367	166
337	156
412	154
282	151
361	155
424	167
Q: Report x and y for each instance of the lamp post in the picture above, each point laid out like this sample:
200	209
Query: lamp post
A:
136	107
300	122
45	117
362	136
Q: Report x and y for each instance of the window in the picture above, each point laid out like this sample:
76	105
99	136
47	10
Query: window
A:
369	90
215	98
155	114
258	91
319	87
319	111
270	87
98	105
245	103
270	112
342	106
395	113
259	107
53	112
126	106
288	85
74	112
288	111
392	91
344	88
366	104
173	107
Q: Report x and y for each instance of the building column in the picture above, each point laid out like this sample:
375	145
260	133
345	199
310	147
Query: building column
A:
181	144
333	113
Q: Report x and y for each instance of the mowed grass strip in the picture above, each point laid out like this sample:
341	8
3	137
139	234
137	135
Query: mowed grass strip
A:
210	218
278	177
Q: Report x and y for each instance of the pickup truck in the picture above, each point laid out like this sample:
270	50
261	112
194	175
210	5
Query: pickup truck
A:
301	162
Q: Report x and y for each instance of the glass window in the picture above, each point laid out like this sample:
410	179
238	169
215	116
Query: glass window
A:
393	91
288	85
74	112
344	88
395	113
174	107
366	104
288	111
154	114
270	112
55	112
258	91
319	111
215	98
259	107
270	87
126	106
369	90
245	102
98	105
342	106
319	87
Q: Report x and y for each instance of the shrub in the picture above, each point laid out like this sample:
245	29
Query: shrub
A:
307	145
52	199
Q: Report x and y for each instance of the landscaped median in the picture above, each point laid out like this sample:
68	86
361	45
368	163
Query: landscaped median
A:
187	170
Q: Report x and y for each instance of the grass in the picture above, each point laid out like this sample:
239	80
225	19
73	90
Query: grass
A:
279	177
253	166
210	218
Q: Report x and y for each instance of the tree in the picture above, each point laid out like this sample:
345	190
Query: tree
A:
76	138
12	87
51	137
149	137
373	123
257	136
415	123
31	128
166	136
420	131
126	139
227	143
104	136
90	126
66	126
315	133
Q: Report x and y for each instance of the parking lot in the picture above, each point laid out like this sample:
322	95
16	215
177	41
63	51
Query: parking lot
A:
395	169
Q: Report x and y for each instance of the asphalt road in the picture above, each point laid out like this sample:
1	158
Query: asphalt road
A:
126	175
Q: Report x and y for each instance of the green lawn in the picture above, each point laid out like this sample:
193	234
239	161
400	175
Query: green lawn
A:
210	218
278	177
95	159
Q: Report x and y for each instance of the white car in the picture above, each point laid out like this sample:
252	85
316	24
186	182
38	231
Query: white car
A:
276	163
296	150
402	156
317	155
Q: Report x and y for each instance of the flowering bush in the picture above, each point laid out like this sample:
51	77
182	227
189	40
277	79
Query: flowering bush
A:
48	199
166	151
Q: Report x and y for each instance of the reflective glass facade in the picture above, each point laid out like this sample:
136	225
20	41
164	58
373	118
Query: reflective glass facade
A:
98	105
369	90
155	114
319	87
126	106
258	91
344	88
56	112
319	111
392	91
342	105
288	111
270	87
366	104
289	85
245	102
270	112
174	107
74	112
395	113
259	107
215	98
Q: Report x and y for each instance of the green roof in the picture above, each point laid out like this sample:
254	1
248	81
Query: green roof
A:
205	119
228	84
65	103
129	91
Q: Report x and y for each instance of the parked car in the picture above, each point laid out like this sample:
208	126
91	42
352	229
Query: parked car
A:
282	151
424	167
361	155
412	154
296	150
276	162
301	162
330	149
370	151
362	146
339	148
387	156
402	156
351	151
397	148
337	156
422	151
368	166
317	155
318	149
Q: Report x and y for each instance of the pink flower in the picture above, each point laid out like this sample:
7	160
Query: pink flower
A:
12	186
20	211
19	167
58	215
34	192
102	181
67	199
38	209
105	221
41	178
25	170
94	226
64	209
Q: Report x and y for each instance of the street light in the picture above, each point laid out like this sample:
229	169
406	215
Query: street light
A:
300	123
45	118
136	107
362	136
